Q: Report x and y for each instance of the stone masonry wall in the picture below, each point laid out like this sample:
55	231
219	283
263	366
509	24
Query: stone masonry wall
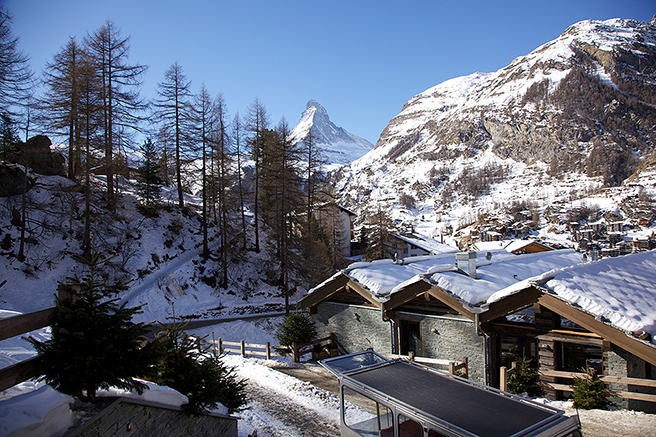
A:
451	339
356	328
623	363
127	418
359	328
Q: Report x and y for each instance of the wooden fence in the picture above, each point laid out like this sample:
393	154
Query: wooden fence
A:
17	325
505	373
267	351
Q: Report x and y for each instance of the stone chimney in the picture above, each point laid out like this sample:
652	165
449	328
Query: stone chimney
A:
466	263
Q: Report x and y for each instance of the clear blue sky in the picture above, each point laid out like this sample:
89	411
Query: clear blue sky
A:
362	60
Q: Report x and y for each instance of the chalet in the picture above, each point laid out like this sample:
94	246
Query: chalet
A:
412	244
495	307
517	247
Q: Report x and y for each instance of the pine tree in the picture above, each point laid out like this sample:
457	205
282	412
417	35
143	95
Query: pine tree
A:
198	374
524	379
119	91
148	177
258	123
203	119
282	201
62	99
15	74
237	133
296	328
172	111
378	226
94	345
589	392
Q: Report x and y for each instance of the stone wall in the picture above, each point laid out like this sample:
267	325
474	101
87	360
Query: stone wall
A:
449	338
625	364
128	417
356	328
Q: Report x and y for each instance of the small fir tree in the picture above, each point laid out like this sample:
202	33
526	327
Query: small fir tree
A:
296	328
524	379
198	374
94	344
589	391
149	179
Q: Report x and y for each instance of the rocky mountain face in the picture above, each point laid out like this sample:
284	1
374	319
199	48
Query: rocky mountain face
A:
339	146
576	115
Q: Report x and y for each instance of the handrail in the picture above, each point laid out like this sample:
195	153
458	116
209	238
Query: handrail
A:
17	325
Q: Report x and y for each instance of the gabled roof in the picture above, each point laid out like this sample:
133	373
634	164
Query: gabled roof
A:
613	297
426	243
501	275
619	292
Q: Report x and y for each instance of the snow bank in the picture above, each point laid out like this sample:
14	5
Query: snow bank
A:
34	409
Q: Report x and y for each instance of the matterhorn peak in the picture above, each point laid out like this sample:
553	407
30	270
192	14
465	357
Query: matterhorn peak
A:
340	146
316	105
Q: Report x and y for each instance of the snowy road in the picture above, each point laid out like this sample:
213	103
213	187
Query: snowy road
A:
283	406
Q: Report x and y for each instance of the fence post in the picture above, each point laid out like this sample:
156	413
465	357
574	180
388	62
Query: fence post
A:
452	367
295	356
332	338
503	379
243	348
411	355
465	368
268	350
220	345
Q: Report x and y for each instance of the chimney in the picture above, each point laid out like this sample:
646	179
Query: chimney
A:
466	263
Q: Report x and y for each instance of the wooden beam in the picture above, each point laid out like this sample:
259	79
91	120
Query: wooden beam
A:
19	372
22	323
450	301
362	292
511	304
619	338
409	293
324	292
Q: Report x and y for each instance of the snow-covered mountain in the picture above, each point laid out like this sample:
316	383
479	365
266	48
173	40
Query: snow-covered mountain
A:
339	146
575	116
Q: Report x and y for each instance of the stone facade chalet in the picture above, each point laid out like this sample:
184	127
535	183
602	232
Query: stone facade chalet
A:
496	307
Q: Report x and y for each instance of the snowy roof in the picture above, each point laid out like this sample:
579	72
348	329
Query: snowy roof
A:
426	243
503	274
519	244
618	291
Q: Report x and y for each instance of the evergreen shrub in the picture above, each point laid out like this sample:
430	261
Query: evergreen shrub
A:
198	374
296	328
524	379
589	391
94	343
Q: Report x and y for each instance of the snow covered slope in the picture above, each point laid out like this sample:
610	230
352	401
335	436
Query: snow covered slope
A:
575	115
340	146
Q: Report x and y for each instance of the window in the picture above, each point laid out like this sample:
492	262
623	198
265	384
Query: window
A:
515	348
410	337
409	428
575	356
568	324
366	416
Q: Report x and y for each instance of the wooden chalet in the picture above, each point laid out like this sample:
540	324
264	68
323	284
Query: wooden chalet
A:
433	314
